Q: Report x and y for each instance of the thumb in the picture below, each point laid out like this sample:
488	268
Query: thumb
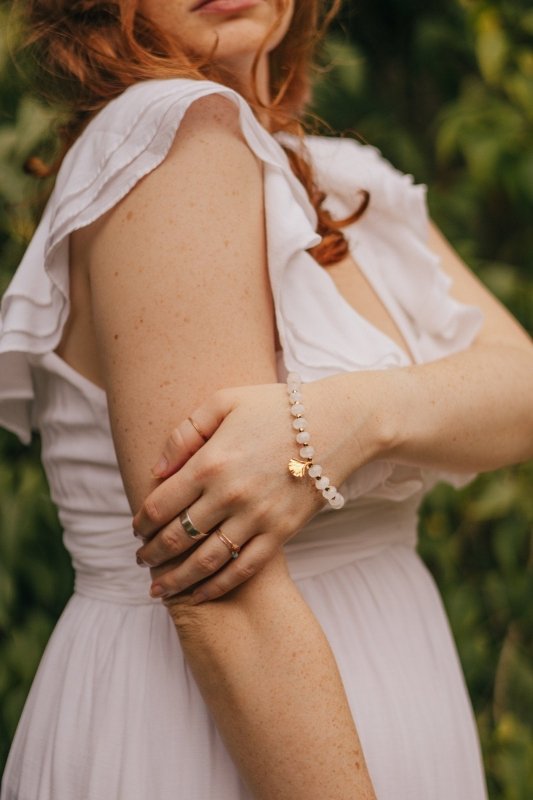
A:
193	432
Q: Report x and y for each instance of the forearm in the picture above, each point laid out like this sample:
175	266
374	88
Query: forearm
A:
472	411
271	683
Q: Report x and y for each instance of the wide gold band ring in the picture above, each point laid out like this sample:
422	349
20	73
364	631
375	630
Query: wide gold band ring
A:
188	527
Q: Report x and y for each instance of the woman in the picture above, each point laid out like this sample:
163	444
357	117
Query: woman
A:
178	258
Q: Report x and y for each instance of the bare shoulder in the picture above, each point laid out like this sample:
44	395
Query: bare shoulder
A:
179	288
210	137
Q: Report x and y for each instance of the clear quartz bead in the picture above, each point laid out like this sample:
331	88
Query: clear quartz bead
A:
300	424
303	438
307	451
315	471
296	409
293	377
322	483
295	396
337	501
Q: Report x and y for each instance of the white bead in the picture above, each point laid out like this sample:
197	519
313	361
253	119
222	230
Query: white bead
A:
300	423
297	409
315	471
307	452
293	377
329	492
337	501
295	396
303	438
292	387
322	482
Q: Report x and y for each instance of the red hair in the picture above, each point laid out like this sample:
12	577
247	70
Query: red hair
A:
89	51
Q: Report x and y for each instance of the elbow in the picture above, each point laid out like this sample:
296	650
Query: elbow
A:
210	625
194	623
241	611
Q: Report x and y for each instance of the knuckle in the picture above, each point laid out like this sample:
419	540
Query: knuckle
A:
175	440
152	512
177	445
169	540
246	570
213	465
207	563
236	493
262	511
217	588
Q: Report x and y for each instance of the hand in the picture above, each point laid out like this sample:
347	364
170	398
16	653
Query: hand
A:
237	484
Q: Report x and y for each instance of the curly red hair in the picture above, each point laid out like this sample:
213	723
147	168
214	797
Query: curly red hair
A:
89	51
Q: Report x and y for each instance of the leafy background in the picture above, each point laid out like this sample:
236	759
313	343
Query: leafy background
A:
445	89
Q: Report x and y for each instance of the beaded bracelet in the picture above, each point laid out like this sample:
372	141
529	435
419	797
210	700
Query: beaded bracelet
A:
303	437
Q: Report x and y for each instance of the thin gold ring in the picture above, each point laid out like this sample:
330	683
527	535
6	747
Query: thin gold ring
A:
234	549
197	429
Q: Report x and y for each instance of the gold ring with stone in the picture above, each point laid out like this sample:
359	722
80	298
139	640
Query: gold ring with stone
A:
234	549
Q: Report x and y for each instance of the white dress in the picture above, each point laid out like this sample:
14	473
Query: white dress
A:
114	713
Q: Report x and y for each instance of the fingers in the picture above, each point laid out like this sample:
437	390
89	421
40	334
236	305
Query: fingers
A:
173	540
192	433
252	558
180	491
165	503
206	560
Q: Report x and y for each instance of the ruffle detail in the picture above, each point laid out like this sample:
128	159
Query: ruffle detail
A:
390	246
320	333
128	139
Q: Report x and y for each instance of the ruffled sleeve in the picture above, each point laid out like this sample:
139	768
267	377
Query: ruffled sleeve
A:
390	244
128	139
319	332
324	335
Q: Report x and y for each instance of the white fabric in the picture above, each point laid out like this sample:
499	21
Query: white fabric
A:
113	711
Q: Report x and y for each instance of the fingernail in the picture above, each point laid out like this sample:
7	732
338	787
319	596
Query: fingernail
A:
161	467
157	591
140	562
197	598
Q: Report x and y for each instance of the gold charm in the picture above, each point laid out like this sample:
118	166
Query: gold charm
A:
298	468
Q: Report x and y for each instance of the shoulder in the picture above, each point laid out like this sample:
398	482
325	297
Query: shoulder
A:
152	99
210	136
143	121
135	132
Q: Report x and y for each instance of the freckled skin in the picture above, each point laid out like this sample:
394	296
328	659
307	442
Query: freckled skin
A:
190	302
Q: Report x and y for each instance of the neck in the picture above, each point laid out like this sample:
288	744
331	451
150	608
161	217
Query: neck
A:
243	74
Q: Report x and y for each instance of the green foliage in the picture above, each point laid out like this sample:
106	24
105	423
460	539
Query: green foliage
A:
445	89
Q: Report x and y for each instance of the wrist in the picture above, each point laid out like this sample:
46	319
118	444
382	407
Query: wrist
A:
367	412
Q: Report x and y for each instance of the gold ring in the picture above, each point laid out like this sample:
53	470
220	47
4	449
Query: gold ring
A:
234	549
197	429
188	527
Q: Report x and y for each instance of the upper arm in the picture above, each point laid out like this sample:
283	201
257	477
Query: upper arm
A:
499	325
180	293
